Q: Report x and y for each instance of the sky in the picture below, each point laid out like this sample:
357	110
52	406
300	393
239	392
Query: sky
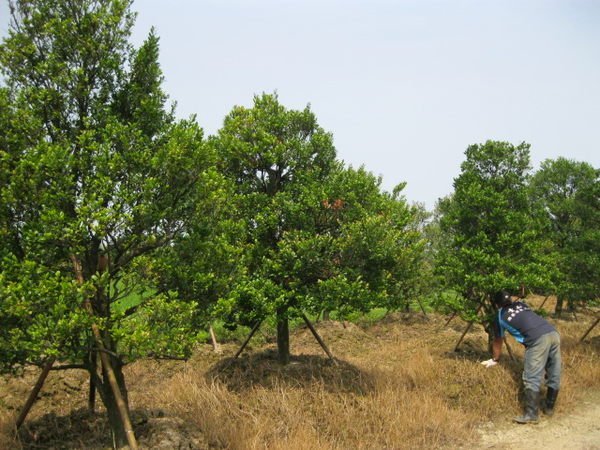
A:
404	86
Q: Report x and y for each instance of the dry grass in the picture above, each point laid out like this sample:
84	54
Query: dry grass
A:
398	384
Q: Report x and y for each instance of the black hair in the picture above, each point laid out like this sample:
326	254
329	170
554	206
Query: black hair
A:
502	298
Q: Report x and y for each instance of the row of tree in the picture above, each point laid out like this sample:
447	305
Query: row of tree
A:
105	193
504	227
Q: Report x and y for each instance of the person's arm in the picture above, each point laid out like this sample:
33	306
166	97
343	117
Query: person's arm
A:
497	348
496	344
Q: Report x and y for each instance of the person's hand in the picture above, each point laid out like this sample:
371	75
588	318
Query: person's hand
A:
489	363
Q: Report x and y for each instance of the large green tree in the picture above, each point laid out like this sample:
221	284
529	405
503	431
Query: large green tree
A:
567	193
494	239
317	235
94	172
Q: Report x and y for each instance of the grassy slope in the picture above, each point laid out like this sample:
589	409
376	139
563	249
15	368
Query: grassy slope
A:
398	384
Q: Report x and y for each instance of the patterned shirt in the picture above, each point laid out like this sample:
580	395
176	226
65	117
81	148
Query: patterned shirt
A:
520	321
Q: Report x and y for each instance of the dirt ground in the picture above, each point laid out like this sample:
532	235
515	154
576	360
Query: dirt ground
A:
578	430
410	347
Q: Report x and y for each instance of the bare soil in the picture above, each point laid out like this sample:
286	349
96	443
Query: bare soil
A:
577	430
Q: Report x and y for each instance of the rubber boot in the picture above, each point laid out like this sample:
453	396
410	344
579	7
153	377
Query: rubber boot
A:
548	406
530	415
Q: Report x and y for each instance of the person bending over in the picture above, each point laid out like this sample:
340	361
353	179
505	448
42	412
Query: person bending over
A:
542	352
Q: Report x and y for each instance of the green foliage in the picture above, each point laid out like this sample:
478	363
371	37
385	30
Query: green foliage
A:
494	238
162	328
568	194
40	313
316	235
94	172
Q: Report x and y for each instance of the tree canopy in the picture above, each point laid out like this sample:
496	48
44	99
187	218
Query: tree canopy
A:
495	238
567	193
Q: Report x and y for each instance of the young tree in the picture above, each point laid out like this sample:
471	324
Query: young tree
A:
567	192
317	236
95	173
494	235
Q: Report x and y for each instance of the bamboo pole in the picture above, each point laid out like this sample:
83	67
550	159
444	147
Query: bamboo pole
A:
318	338
112	379
34	393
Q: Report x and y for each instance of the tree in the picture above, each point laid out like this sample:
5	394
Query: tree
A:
317	235
567	192
95	173
494	235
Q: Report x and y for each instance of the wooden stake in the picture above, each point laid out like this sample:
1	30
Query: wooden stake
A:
34	393
589	329
468	328
450	319
318	338
421	306
510	353
213	338
247	339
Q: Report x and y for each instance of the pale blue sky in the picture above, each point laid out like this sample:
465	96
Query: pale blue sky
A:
404	86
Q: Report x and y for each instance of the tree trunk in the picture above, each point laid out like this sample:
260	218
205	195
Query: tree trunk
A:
112	388
559	306
92	392
283	336
119	433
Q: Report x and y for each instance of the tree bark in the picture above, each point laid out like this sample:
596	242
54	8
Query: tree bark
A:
115	403
283	336
559	306
92	391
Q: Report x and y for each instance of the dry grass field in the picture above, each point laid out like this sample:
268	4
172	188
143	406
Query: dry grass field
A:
397	384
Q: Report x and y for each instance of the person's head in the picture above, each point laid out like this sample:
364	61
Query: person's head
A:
502	298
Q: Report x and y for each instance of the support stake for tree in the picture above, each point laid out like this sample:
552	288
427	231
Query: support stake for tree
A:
318	338
241	349
589	329
468	328
510	353
34	393
422	308
450	319
213	339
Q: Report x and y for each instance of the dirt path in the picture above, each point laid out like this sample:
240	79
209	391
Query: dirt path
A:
579	430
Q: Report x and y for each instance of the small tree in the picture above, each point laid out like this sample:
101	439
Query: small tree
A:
317	236
494	235
566	191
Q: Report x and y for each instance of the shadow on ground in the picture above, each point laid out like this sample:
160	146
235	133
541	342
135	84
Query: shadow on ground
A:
262	369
